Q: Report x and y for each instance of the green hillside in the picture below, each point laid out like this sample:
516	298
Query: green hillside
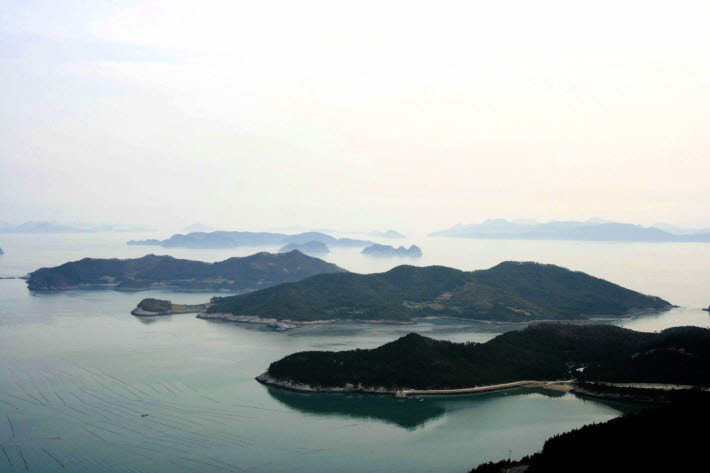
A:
543	351
509	291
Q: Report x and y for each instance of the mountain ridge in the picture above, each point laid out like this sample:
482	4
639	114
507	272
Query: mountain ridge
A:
568	230
510	291
234	239
151	271
542	351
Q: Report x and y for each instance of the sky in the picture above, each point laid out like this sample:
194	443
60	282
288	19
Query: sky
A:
354	115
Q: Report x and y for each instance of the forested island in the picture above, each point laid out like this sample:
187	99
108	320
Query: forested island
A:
389	250
149	272
221	239
661	439
151	307
310	247
510	291
542	351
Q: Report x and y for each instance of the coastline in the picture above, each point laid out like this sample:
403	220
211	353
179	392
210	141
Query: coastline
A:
138	312
266	379
276	324
602	391
288	324
640	393
151	287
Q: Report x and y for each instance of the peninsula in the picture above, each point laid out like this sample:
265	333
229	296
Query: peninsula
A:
542	352
151	307
241	274
389	250
510	291
221	239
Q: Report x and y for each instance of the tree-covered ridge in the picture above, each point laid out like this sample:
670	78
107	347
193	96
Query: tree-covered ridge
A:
661	439
235	274
508	291
543	351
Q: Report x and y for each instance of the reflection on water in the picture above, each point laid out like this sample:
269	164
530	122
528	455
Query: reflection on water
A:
408	413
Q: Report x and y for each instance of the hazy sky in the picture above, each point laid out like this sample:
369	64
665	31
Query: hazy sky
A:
351	115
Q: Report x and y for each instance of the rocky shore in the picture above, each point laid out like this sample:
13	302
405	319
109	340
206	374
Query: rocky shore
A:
287	324
269	380
640	395
276	324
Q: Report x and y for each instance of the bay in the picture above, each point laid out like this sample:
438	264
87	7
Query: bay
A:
77	372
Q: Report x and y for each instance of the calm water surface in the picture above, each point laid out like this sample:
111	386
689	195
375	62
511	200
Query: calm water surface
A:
77	372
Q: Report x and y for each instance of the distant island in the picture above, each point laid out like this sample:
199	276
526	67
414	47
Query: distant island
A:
510	291
501	229
543	351
222	239
388	250
41	227
149	272
1	252
393	234
310	247
152	307
53	227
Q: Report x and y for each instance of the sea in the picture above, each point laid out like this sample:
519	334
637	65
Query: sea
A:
86	387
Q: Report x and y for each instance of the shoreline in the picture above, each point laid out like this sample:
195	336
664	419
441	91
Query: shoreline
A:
279	325
138	312
640	393
626	395
267	380
152	287
288	324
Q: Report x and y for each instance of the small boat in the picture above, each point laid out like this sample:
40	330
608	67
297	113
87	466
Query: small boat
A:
144	415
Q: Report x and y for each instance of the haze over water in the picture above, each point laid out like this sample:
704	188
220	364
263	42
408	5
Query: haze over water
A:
78	370
361	116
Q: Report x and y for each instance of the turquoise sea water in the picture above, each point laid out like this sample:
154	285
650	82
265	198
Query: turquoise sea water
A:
77	372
